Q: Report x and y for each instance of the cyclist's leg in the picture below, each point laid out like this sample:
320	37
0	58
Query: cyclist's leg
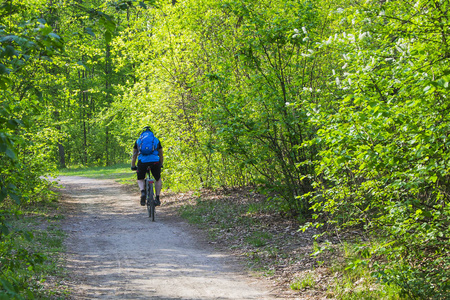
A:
156	172
142	169
158	187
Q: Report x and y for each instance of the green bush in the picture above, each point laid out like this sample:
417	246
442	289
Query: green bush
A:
384	164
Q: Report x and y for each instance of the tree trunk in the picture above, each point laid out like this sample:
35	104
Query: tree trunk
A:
62	156
107	85
61	152
84	131
106	145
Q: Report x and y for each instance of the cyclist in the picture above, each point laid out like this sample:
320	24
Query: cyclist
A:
153	159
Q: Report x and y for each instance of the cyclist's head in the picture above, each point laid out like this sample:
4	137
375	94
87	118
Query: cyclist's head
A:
147	128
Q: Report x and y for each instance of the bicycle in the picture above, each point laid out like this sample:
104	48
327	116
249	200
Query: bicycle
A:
149	198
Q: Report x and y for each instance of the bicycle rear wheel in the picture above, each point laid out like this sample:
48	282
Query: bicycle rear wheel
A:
150	200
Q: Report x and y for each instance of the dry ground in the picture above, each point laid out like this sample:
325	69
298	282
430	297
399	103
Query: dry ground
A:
285	256
116	252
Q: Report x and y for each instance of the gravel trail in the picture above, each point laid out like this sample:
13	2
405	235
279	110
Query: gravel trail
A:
114	251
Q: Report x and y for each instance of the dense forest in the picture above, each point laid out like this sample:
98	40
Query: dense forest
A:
337	109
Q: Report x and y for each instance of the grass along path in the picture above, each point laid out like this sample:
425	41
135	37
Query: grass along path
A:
121	173
31	252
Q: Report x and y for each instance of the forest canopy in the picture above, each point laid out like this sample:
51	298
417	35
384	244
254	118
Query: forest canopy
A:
336	109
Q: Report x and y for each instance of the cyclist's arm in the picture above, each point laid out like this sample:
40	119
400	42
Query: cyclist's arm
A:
133	159
161	156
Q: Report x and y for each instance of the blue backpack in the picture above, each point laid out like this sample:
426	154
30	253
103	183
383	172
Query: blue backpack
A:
147	143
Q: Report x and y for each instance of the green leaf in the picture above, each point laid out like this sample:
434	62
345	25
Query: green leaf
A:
9	51
427	214
3	193
81	63
54	35
88	30
8	38
430	89
15	197
3	69
11	153
4	229
110	25
56	40
28	235
108	37
46	30
9	288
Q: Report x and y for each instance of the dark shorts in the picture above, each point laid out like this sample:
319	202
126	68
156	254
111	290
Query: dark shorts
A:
155	168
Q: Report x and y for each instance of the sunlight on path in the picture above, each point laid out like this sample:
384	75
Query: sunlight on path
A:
116	252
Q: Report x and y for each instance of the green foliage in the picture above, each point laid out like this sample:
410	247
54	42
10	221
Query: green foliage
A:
307	281
259	238
32	46
354	275
341	108
28	256
228	101
333	108
384	164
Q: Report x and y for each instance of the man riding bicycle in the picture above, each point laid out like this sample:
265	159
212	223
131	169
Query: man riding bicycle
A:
148	150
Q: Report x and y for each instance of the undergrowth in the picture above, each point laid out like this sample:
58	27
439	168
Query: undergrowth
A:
275	248
30	250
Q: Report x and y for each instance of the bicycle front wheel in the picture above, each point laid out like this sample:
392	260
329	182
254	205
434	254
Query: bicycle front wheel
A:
152	211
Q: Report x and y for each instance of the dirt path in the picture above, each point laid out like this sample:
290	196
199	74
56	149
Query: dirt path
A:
114	251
